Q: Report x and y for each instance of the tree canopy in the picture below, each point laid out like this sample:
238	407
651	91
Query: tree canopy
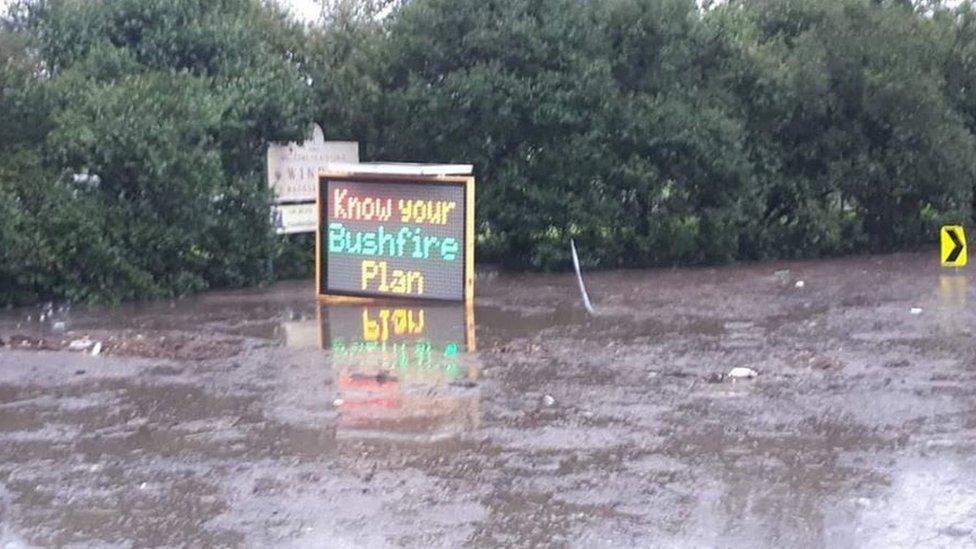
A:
143	143
653	132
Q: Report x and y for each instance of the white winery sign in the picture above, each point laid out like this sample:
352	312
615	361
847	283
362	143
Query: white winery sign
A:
293	171
294	218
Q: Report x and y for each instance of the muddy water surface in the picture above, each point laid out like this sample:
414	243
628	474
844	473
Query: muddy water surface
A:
260	418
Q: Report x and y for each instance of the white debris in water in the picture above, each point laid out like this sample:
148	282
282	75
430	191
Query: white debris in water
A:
58	326
915	310
80	345
548	400
742	373
96	349
799	284
8	541
338	402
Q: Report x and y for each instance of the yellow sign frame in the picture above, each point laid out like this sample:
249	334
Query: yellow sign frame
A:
952	237
468	183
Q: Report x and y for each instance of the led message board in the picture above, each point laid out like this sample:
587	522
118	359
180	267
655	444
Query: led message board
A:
383	236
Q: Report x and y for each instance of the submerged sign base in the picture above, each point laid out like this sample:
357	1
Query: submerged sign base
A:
395	235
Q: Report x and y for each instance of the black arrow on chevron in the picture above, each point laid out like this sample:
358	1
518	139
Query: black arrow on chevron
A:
954	254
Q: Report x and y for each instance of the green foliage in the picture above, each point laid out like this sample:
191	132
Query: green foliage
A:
850	120
656	133
960	68
578	115
166	107
652	132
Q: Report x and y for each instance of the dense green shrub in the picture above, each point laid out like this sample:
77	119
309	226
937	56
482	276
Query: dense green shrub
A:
165	108
847	113
651	131
656	133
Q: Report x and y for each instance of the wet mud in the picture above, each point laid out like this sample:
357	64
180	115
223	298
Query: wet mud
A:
261	418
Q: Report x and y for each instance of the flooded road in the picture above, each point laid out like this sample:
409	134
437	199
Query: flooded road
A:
260	418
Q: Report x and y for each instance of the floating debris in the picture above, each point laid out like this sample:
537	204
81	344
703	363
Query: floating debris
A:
80	345
579	278
742	373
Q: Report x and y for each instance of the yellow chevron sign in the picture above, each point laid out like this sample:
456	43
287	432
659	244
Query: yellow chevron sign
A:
953	239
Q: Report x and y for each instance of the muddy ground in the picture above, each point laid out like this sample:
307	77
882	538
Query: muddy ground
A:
258	418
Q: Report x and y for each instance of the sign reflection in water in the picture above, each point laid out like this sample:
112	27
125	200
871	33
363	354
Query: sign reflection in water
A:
403	372
953	292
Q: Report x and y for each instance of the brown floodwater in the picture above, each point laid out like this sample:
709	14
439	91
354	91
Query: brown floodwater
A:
262	418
